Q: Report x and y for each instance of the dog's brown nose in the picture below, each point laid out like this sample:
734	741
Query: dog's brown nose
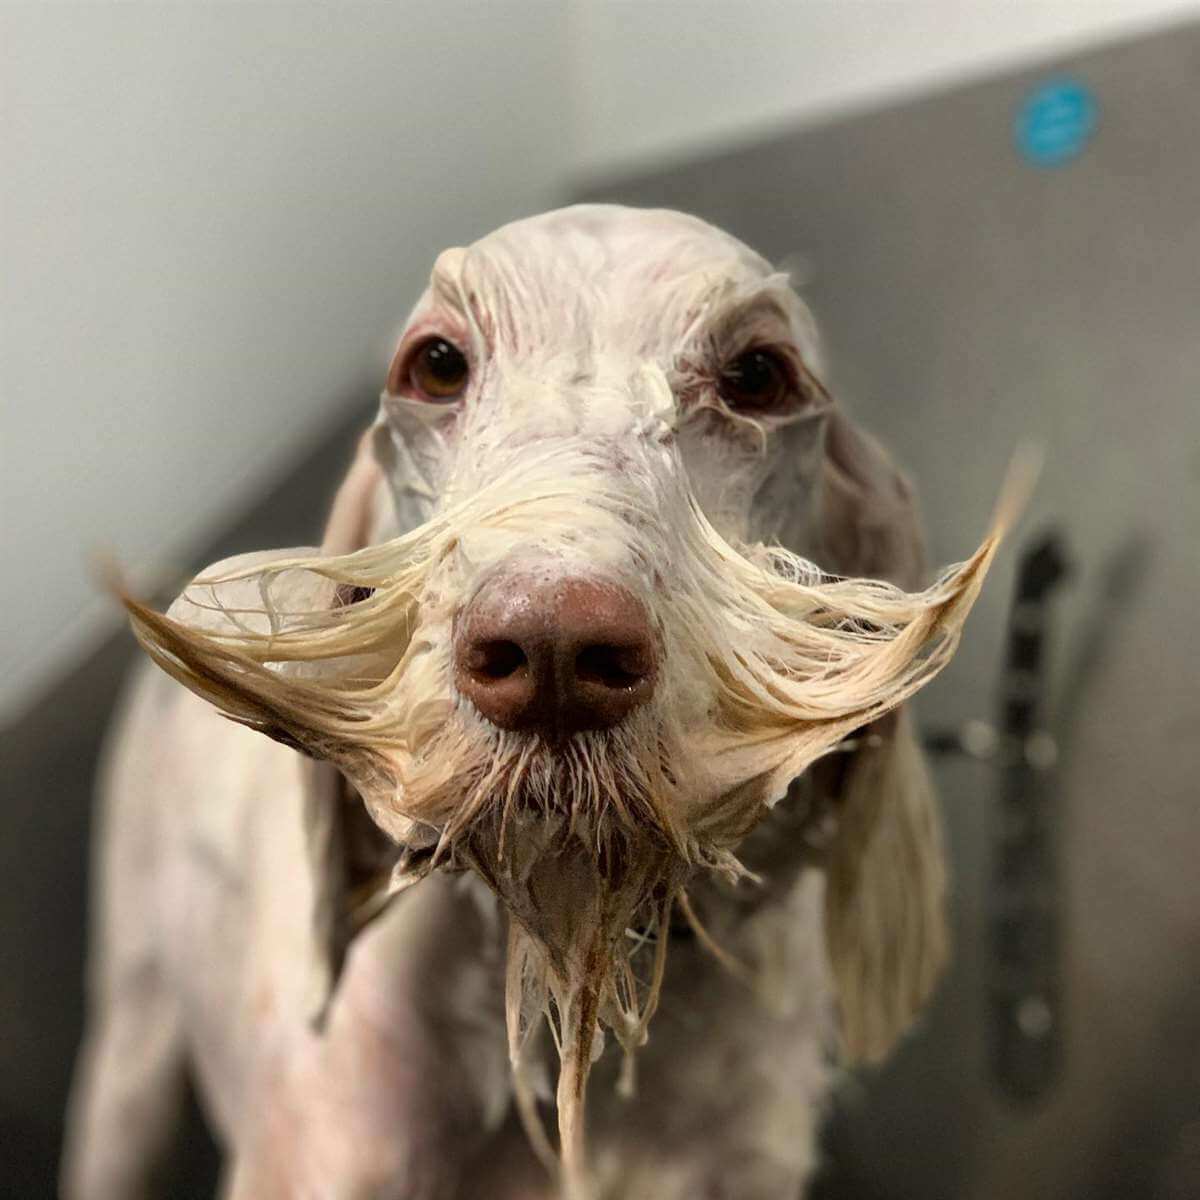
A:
555	655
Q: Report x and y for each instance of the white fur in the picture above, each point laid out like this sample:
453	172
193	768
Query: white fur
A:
591	440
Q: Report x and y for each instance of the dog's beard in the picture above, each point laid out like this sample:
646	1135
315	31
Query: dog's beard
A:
581	843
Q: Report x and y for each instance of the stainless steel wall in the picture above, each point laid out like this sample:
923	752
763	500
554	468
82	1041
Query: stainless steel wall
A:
973	300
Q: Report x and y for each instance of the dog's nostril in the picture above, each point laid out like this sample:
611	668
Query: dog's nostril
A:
495	659
612	666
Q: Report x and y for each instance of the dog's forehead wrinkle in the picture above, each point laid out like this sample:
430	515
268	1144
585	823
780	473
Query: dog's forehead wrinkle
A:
595	282
608	277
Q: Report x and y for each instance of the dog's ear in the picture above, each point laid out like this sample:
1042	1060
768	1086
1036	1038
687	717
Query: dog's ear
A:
350	857
885	919
351	862
886	874
869	524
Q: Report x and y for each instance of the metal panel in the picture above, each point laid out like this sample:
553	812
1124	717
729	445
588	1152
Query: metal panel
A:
971	300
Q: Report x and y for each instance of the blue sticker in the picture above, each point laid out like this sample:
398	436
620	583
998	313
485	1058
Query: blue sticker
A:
1055	122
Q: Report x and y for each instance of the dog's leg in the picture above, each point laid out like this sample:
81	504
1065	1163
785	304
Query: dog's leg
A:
127	1092
408	1079
129	1081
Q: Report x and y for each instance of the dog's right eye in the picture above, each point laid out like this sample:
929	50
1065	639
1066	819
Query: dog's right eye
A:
438	371
756	381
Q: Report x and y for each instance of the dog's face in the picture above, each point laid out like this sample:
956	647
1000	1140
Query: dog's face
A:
598	403
587	665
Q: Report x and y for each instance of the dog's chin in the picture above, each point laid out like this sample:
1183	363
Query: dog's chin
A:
580	841
574	842
574	888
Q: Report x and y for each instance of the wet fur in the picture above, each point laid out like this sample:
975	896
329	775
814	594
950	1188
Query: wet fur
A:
590	447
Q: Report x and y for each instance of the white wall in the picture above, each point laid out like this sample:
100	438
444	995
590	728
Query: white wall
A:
657	80
213	220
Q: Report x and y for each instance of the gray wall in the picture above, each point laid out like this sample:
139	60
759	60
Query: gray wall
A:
667	80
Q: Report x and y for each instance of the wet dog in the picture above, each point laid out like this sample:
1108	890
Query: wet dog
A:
588	709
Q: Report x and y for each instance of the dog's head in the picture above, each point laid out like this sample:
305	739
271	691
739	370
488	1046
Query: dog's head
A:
596	649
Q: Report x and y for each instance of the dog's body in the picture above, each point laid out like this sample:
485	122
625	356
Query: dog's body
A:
226	861
205	962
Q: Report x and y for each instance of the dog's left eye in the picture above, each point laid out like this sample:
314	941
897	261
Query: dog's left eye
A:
439	370
756	381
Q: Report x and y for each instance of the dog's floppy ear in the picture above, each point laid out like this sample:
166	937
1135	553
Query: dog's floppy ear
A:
886	874
350	857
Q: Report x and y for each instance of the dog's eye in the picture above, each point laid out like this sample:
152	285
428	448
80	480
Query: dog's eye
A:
755	381
439	370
